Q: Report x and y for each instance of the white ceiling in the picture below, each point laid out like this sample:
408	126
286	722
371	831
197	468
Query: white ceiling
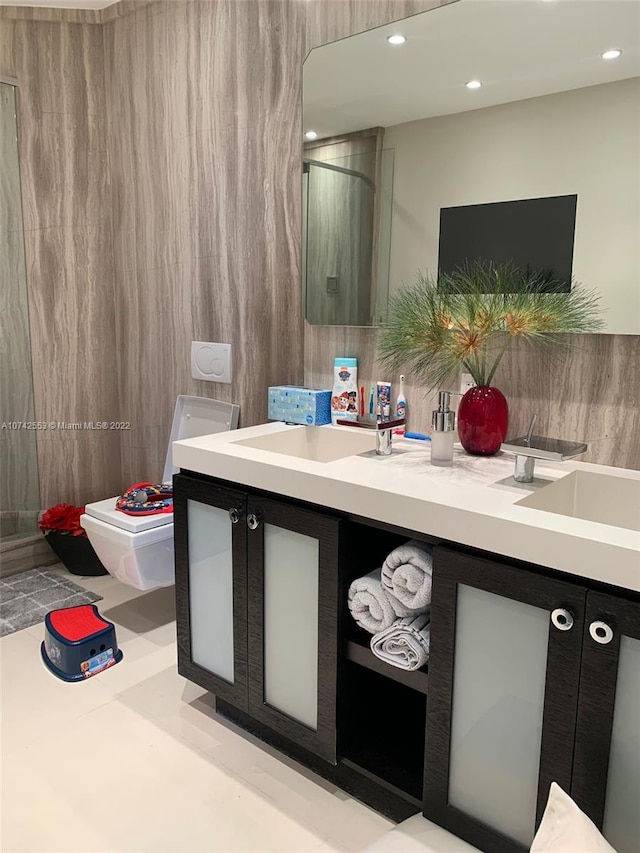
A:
518	48
61	4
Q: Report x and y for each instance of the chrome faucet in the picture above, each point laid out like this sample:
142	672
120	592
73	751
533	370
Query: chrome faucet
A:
384	432
531	447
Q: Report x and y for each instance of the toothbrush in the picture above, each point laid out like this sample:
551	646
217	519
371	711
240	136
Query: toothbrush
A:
401	407
362	401
371	400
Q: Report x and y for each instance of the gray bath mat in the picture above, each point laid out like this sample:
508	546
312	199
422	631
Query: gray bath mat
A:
26	598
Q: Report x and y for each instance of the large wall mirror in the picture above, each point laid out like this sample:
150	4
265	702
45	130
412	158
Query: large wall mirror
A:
485	102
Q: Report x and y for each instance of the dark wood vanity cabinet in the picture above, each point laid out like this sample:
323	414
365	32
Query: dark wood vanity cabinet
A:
257	605
531	680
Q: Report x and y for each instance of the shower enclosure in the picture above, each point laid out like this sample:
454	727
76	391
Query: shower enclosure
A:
347	234
19	486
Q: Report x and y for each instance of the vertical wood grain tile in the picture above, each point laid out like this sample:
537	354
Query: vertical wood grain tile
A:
69	258
119	51
595	398
206	188
64	171
70	292
526	378
124	9
60	67
7	58
84	467
56	15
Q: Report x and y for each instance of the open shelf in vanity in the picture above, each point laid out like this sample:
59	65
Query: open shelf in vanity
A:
382	708
383	724
360	653
367	545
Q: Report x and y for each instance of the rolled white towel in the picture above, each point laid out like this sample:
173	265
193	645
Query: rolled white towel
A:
404	644
406	574
373	608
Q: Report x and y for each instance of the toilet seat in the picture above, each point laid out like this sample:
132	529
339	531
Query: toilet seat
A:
138	550
106	511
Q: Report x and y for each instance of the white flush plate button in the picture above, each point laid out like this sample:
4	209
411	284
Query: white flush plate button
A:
211	362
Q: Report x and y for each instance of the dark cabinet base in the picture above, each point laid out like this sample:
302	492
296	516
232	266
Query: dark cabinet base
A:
375	721
358	782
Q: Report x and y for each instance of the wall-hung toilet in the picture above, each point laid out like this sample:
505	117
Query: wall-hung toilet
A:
139	550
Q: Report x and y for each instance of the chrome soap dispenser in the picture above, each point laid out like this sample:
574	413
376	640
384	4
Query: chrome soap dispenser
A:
443	424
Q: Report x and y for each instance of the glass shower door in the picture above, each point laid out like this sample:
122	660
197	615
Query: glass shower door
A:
19	487
346	233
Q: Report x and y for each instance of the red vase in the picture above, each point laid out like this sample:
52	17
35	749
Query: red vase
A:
483	420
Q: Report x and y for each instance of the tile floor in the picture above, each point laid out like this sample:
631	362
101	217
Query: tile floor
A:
135	759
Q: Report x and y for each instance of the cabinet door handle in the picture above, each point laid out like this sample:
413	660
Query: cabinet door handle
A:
562	619
253	521
601	632
235	514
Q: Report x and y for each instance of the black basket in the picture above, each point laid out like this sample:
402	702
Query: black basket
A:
75	553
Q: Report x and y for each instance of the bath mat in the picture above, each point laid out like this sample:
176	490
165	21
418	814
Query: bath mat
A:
26	598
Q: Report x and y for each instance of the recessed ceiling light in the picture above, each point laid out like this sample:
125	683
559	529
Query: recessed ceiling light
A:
397	39
311	134
473	84
611	54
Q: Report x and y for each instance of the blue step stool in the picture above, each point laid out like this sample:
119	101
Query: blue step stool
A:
78	643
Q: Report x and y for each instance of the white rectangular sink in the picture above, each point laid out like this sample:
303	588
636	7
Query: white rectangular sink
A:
317	444
594	497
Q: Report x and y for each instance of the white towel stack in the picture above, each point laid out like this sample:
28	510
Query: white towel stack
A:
406	574
371	606
392	603
405	644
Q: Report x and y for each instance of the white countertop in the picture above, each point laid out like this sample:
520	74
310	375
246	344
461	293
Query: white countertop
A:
465	503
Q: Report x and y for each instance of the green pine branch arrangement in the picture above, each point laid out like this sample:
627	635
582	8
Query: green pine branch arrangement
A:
468	318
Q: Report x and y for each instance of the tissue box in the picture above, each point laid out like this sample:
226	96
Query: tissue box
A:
299	405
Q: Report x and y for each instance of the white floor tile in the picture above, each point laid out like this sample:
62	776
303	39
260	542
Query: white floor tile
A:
135	759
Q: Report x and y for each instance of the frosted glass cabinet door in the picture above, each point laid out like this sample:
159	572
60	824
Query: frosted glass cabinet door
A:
499	713
210	541
291	564
607	760
497	709
293	611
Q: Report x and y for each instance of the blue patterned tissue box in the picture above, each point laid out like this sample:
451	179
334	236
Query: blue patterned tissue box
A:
299	405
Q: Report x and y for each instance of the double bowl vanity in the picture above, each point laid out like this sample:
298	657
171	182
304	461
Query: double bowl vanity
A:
534	670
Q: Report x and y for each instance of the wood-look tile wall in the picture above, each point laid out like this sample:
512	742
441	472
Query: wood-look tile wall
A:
204	135
586	390
204	107
69	258
162	156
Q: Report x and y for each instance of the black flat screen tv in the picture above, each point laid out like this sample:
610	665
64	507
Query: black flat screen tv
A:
535	234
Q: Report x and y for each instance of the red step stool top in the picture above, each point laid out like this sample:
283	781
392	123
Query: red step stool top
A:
76	623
